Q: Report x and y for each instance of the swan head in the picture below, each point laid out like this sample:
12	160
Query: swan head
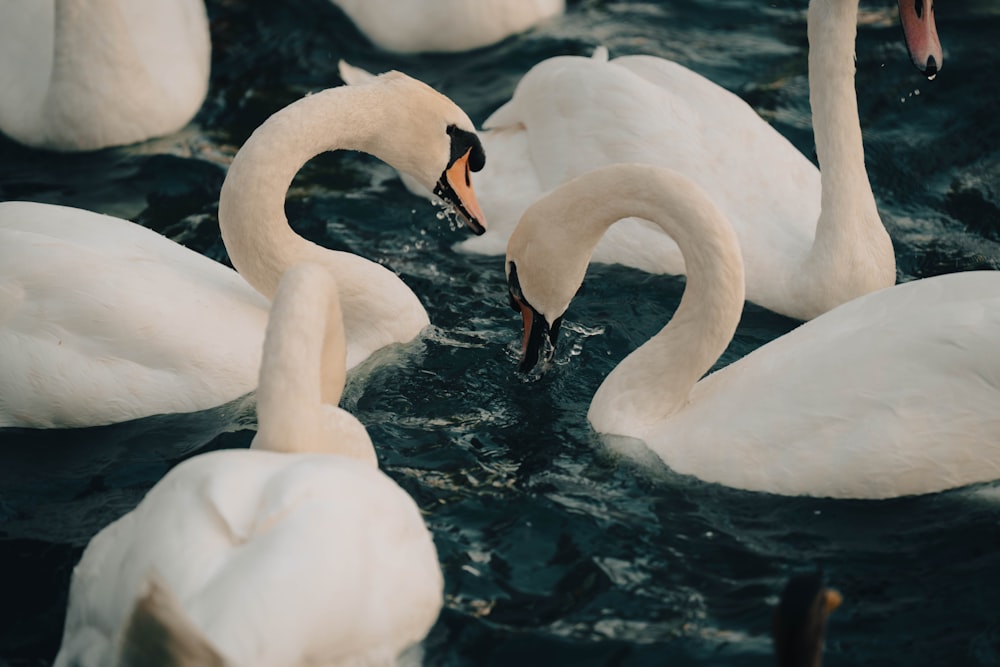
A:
546	264
540	333
432	139
920	33
799	622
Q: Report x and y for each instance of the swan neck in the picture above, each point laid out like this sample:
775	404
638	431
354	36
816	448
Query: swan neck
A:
255	230
832	28
655	380
305	327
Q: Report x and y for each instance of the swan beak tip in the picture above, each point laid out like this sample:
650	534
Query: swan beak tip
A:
831	599
920	34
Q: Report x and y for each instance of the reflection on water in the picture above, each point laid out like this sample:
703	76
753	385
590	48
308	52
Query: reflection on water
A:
557	549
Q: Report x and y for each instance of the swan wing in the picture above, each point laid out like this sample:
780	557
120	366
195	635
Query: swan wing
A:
130	324
890	394
118	73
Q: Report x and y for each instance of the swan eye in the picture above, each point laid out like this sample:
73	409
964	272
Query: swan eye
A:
462	142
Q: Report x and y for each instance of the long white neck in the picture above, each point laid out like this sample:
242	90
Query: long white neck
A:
653	381
303	370
252	220
852	253
260	243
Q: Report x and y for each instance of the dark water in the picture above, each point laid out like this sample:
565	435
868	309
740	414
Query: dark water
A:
555	550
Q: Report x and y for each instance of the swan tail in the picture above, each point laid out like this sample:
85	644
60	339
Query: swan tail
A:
160	634
354	76
600	54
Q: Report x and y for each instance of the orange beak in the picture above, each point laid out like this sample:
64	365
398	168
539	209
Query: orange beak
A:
455	187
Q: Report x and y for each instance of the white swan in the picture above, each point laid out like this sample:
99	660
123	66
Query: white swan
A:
297	552
569	115
86	74
413	26
893	393
104	321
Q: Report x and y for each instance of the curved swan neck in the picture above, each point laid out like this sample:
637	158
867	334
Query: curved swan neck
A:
305	326
654	381
252	218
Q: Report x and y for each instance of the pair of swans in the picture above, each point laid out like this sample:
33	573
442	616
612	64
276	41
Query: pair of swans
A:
892	393
87	74
102	320
808	243
297	552
413	26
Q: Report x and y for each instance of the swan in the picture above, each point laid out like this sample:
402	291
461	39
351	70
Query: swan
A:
102	320
893	393
809	243
798	625
414	26
80	75
296	552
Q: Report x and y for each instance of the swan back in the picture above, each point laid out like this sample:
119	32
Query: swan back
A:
303	370
85	74
445	25
553	242
278	560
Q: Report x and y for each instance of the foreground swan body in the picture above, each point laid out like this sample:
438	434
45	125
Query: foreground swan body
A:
411	26
893	393
104	321
85	74
808	244
297	552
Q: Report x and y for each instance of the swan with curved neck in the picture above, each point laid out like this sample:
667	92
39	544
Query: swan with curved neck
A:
161	329
445	26
810	239
87	74
891	394
297	552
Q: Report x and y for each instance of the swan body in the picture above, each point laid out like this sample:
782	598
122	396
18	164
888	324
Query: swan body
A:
891	394
296	552
808	243
103	321
86	74
412	26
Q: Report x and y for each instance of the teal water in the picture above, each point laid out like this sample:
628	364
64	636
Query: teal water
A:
555	549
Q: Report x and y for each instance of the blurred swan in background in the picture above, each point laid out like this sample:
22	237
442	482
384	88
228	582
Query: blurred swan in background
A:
80	75
798	625
809	243
893	393
297	552
102	320
412	26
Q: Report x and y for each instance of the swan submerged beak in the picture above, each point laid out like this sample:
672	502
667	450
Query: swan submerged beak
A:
920	33
455	187
536	331
536	326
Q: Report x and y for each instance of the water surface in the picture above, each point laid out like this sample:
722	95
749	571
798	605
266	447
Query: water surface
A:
556	549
